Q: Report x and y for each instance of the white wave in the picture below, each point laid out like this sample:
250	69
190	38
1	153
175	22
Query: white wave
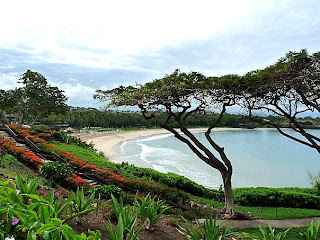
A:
122	146
160	168
155	137
145	150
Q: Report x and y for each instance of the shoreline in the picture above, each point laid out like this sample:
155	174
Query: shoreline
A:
105	142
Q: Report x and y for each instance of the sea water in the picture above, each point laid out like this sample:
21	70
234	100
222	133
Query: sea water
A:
261	157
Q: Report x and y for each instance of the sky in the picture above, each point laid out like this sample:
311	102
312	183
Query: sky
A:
81	46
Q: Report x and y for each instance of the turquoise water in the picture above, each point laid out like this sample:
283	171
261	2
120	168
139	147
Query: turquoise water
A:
259	158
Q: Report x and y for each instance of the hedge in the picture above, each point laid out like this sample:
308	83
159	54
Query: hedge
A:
277	197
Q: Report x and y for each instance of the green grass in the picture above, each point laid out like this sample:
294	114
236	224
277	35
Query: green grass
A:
267	213
86	154
293	234
10	167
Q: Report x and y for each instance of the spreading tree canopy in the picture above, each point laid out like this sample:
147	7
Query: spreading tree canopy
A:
288	88
181	95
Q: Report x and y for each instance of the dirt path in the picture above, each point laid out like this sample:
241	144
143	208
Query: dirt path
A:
285	223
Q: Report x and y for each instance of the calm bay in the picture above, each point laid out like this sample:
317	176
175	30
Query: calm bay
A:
260	157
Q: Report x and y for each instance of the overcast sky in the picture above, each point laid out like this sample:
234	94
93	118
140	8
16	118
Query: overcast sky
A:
81	46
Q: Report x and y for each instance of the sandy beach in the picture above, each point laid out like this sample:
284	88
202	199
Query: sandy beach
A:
104	142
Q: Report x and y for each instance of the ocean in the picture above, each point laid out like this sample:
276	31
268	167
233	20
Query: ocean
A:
261	157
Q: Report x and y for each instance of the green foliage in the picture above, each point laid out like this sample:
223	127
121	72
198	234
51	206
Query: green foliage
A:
55	171
106	191
171	180
127	214
80	205
151	211
264	212
312	232
267	234
209	230
281	197
167	193
65	138
38	218
121	232
28	186
315	181
83	153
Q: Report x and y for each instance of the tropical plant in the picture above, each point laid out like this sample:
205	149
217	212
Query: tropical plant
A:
209	230
267	234
127	214
80	205
312	232
151	211
122	232
28	186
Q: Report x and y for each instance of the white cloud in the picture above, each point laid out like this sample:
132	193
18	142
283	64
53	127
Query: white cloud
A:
9	80
78	94
70	30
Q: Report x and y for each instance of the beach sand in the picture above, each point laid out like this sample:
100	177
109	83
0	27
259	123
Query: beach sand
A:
105	141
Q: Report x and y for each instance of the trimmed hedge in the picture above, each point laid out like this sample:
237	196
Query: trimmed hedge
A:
277	197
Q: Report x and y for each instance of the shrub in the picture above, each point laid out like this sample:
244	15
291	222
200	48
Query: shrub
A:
151	211
315	181
209	230
56	171
170	194
280	197
171	180
106	191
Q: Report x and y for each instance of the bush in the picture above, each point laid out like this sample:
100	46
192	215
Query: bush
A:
170	194
315	181
280	197
171	180
105	191
55	171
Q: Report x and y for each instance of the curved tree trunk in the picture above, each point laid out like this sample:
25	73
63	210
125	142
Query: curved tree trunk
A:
229	203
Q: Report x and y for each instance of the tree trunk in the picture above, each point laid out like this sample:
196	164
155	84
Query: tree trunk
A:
21	116
229	203
35	119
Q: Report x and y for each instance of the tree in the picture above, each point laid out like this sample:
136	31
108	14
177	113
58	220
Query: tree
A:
288	88
12	103
180	96
35	98
40	97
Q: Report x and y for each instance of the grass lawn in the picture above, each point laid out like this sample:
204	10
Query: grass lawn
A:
267	213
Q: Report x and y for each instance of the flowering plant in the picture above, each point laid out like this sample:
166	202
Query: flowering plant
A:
76	180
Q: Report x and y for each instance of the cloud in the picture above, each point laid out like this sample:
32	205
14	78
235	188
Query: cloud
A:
111	43
9	80
78	94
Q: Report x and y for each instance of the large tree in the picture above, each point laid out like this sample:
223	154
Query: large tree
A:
288	88
36	98
40	97
181	95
